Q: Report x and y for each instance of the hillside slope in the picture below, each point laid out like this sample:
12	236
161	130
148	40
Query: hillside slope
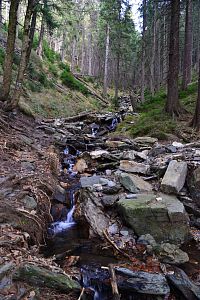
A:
44	92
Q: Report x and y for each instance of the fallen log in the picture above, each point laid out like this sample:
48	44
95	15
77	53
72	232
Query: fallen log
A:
93	93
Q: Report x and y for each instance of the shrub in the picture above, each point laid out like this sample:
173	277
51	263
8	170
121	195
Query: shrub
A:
43	79
53	70
48	52
64	66
69	80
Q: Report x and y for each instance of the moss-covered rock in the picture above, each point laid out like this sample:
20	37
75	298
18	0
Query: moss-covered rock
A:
44	278
162	216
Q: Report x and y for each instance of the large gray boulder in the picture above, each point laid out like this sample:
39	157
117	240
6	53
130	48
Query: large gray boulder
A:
134	183
174	178
162	216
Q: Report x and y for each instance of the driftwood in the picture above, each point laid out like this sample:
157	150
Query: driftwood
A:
115	291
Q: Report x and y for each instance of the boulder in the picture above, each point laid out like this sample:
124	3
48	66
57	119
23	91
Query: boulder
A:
134	167
194	185
143	282
171	254
134	184
109	200
162	216
90	213
42	277
186	288
132	154
89	181
174	177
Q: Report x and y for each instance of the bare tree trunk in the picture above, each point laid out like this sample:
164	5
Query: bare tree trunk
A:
187	61
63	51
198	40
90	54
41	37
117	80
105	81
158	57
1	17
173	105
152	77
83	50
10	48
73	54
143	50
196	119
29	21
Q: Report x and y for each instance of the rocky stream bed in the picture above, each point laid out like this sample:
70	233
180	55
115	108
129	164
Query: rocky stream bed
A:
90	214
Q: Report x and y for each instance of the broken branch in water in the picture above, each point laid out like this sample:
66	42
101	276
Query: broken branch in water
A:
82	292
115	291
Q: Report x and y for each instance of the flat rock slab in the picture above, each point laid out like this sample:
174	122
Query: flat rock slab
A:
143	282
162	216
134	167
174	178
42	277
90	181
134	183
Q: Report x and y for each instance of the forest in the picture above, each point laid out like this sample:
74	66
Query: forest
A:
99	149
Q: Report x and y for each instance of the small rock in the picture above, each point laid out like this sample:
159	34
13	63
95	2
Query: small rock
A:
174	178
113	229
171	149
134	167
108	172
30	202
80	166
109	200
28	166
171	254
131	196
147	239
98	153
124	232
177	145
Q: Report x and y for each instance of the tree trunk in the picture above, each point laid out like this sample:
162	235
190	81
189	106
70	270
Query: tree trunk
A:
63	50
198	40
143	50
90	54
153	62
30	19
1	17
73	59
196	119
117	80
187	61
7	75
41	37
105	81
172	104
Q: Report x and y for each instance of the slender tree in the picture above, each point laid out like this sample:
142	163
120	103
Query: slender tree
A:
144	7
105	81
187	61
29	23
7	74
1	17
172	104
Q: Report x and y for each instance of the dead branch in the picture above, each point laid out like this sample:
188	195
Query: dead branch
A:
115	291
82	292
105	232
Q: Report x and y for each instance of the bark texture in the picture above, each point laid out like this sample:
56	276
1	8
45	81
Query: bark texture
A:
187	61
105	82
10	48
172	105
196	119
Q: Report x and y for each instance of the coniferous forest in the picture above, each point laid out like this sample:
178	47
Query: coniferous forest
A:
99	149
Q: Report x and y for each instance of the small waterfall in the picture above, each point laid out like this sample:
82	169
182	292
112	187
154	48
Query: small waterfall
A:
63	225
